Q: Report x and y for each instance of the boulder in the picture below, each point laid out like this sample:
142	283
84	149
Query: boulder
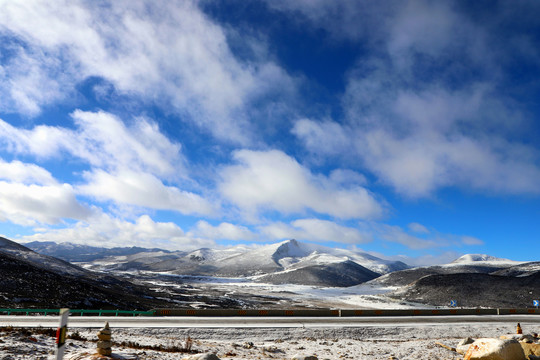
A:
303	357
495	349
520	337
462	349
208	356
530	349
463	346
466	341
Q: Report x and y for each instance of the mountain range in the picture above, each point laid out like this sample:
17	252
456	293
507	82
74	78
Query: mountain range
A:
31	279
286	262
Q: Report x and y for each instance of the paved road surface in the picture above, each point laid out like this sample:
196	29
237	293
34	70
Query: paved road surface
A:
262	322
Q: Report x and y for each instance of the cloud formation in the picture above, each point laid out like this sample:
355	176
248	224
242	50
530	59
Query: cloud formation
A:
165	52
272	180
29	205
426	111
105	230
223	231
127	164
29	195
315	230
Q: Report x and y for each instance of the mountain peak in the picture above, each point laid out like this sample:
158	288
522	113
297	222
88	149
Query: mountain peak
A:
290	248
469	258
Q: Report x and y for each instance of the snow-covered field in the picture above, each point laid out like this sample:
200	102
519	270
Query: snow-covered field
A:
374	343
363	296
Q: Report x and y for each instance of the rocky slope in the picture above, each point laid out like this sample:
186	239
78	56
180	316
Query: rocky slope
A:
473	290
33	280
343	274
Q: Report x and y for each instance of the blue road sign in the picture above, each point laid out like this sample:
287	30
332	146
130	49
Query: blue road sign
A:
536	303
453	303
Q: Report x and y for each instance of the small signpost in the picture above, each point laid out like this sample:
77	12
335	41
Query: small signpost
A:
61	334
453	303
536	303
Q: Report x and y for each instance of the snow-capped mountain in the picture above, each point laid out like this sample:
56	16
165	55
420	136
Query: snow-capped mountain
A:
476	258
240	261
289	261
82	253
466	264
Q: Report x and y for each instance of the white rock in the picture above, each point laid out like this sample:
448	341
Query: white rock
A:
495	349
303	357
202	357
466	341
462	349
520	337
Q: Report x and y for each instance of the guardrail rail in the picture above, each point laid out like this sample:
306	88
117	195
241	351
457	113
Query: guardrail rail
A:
278	312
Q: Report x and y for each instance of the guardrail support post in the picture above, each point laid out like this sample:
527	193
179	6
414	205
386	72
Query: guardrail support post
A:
61	334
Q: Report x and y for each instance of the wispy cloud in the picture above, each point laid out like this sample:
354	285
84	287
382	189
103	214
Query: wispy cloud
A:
426	111
416	236
167	53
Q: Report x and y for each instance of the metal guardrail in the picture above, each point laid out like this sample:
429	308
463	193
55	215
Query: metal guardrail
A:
341	312
279	313
80	312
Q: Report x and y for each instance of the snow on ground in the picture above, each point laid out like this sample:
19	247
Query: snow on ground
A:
373	343
363	296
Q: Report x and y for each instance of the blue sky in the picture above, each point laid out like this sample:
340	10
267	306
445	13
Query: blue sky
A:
407	129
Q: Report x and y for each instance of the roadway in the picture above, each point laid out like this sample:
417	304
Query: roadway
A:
265	322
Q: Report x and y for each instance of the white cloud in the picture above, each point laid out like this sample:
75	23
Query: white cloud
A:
224	231
104	230
23	78
20	172
315	230
142	189
326	136
271	180
105	141
167	52
32	204
424	107
419	142
101	139
127	163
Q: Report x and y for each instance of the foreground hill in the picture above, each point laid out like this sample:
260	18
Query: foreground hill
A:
8	247
473	290
341	274
33	280
473	280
